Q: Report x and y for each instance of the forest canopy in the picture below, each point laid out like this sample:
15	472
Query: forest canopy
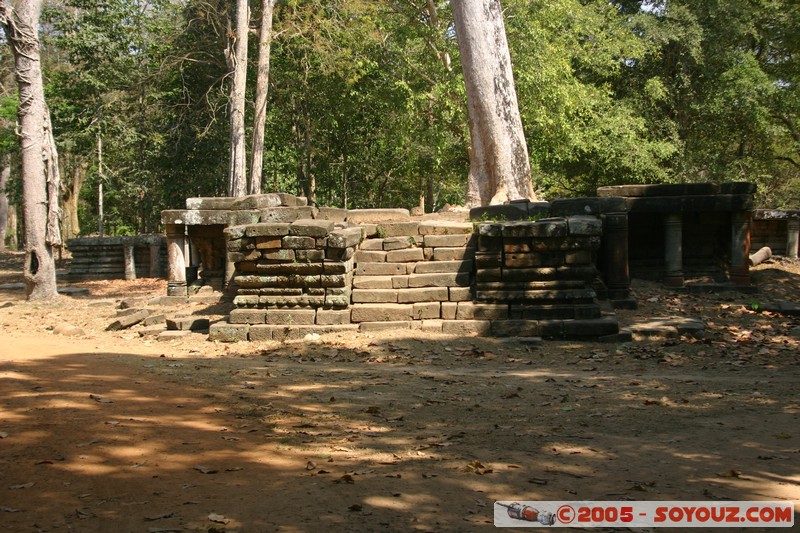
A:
366	99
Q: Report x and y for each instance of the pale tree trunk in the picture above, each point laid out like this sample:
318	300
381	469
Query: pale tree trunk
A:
100	212
40	178
5	173
237	62
499	166
13	230
262	89
70	226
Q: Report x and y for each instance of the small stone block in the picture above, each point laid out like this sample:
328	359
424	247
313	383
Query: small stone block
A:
332	213
435	267
376	216
172	335
267	243
247	316
369	256
374	296
460	294
432	326
408	255
290	316
286	214
374	282
397	229
345	238
381	312
330	317
445	227
381	269
426	294
472	311
450	241
267	230
478	328
427	310
384	326
372	244
222	332
449	310
297	242
453	254
311	228
187	323
439	280
585	225
400	282
515	328
398	243
260	332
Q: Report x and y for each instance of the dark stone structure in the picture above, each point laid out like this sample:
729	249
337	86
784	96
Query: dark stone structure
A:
777	229
117	257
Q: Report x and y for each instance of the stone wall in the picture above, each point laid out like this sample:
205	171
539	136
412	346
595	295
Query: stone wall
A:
776	229
117	257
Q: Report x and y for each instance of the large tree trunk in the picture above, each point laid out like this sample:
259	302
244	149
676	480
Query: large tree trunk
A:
40	178
499	166
262	89
5	173
237	62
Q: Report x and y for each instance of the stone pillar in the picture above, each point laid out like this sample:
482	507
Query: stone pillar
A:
155	260
176	262
129	259
792	237
740	247
615	255
673	250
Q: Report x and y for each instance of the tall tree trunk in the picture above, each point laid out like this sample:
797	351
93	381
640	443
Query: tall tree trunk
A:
262	89
70	226
5	173
100	212
13	229
499	166
237	62
40	178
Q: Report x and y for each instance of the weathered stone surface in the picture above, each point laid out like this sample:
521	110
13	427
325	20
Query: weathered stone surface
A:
426	294
332	213
489	274
450	241
409	255
151	331
478	328
373	282
304	300
260	332
329	317
311	228
515	211
591	328
248	255
246	300
667	327
210	203
460	294
339	254
309	256
291	200
345	238
444	227
268	243
536	259
296	242
472	311
281	255
380	269
397	229
236	218
490	229
437	267
438	280
286	214
338	267
372	244
782	307
370	256
291	316
432	326
68	330
585	225
374	295
127	321
453	254
336	280
376	216
381	312
189	323
398	243
234	232
427	310
267	229
152	320
449	310
515	328
555	227
394	325
488	260
257	201
195	217
288	269
247	316
400	282
223	332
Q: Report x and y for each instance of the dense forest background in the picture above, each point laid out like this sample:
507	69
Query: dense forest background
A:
366	100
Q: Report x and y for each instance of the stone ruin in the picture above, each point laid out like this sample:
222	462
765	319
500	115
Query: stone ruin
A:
142	256
527	269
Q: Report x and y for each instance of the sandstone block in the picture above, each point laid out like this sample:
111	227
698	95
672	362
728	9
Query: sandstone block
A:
453	254
460	294
234	232
515	328
472	311
435	267
374	295
339	254
373	282
286	214
171	335
290	316
449	241
380	269
329	317
309	256
267	230
247	316
398	243
489	274
444	227
260	332
345	238
449	310
381	312
400	282
268	243
338	267
307	227
427	310
384	326
407	255
439	280
465	328
372	244
426	294
585	225
376	216
332	213
296	242
397	229
288	269
189	323
257	201
222	332
554	227
124	322
432	326
365	256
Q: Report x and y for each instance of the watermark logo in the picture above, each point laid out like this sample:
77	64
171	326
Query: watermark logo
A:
643	514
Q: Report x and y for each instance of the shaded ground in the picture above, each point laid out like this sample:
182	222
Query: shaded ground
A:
108	431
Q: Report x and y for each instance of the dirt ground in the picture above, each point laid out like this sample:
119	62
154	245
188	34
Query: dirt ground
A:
109	431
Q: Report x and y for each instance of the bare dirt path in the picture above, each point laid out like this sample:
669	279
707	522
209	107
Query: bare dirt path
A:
107	431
